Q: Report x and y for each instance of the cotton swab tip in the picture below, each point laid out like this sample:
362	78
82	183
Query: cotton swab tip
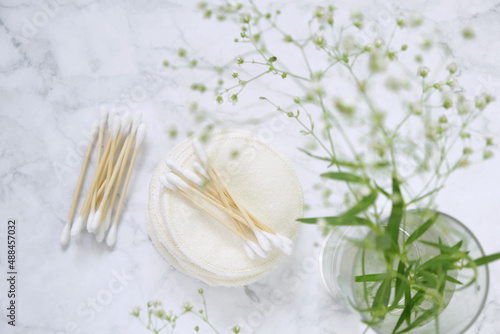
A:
176	181
200	170
257	249
77	226
94	223
126	121
65	235
249	251
286	241
275	240
200	151
103	116
93	132
191	176
107	220
263	242
136	121
141	134
115	127
111	238
174	167
100	233
89	220
166	184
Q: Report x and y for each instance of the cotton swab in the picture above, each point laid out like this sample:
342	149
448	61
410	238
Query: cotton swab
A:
103	117
115	134
124	128
200	151
67	227
122	158
141	134
200	170
106	223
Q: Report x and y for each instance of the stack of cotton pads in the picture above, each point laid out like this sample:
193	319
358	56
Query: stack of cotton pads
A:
198	245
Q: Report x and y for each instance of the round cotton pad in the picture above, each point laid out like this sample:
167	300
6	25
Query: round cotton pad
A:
195	243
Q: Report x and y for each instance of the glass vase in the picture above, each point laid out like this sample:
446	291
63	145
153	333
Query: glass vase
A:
342	259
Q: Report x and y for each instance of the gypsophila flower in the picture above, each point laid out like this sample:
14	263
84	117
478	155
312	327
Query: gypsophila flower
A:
187	306
468	33
423	71
452	68
136	311
487	154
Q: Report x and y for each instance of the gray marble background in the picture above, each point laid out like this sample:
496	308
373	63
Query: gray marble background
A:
59	61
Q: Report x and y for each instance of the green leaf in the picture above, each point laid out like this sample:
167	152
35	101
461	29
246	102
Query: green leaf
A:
453	280
362	205
420	320
310	220
338	221
348	177
382	190
381	300
445	261
396	214
487	259
422	229
443	248
371	277
400	284
410	303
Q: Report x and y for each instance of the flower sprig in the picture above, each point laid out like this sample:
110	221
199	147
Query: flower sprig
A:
160	321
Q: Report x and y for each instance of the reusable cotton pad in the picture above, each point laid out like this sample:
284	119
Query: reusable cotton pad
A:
197	244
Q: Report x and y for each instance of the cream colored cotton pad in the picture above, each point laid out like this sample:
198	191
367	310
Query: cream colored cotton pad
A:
198	245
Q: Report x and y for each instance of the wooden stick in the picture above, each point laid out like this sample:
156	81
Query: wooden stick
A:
110	204
141	133
66	230
95	181
102	125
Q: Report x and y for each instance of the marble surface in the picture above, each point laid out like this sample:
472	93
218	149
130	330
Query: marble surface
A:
59	61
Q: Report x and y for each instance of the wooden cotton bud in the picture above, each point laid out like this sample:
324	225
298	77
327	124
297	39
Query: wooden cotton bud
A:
275	240
126	121
165	183
174	167
103	117
136	121
77	226
263	242
176	181
257	249
191	176
115	127
200	151
141	134
250	253
65	235
111	238
94	223
200	170
94	132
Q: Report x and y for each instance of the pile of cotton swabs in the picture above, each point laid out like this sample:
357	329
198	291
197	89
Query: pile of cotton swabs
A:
206	190
123	137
